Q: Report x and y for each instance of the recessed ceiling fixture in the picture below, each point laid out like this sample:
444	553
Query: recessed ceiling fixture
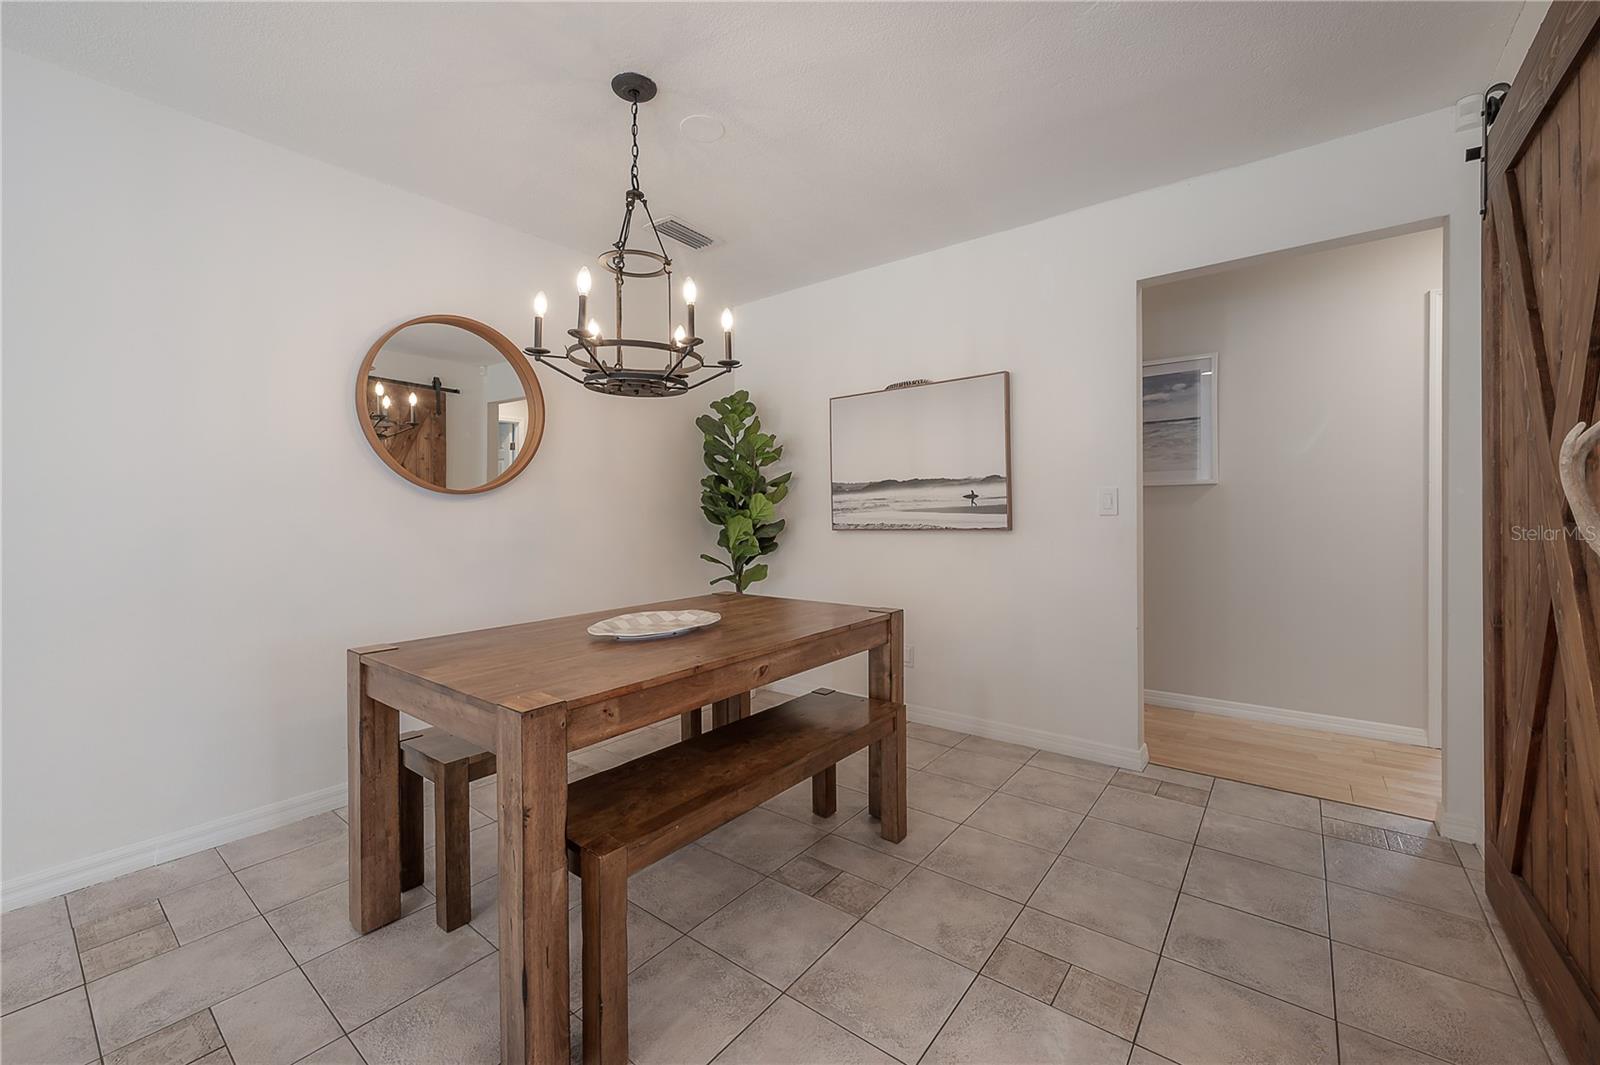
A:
602	360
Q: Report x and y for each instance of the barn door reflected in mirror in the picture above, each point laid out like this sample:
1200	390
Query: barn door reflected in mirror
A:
450	404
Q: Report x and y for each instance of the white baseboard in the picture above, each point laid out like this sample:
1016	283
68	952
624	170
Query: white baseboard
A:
60	879
1054	742
1347	726
1467	829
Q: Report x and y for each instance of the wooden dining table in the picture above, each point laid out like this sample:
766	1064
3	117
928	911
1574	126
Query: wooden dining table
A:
534	692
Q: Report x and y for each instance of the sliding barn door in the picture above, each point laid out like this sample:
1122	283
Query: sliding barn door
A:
1541	274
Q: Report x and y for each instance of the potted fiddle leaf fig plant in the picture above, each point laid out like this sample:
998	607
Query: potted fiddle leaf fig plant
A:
736	495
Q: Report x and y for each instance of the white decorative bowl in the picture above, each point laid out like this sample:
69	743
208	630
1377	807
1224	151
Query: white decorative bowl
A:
653	624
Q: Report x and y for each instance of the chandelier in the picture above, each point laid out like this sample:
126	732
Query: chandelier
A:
601	363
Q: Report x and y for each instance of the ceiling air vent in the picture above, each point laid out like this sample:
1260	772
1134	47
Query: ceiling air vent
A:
687	235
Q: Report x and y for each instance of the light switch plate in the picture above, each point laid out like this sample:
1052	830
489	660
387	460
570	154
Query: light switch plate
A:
1108	502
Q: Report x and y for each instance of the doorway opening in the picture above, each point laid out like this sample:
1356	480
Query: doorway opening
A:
1292	545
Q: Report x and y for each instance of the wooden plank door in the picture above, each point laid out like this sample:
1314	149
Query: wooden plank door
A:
1541	354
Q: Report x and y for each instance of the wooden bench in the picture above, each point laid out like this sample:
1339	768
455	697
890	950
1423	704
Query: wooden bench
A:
625	818
452	764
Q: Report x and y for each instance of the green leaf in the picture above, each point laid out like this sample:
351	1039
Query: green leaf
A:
760	509
711	427
725	577
752	575
717	561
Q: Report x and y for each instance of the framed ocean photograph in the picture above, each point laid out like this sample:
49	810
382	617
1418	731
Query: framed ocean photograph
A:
924	455
1180	420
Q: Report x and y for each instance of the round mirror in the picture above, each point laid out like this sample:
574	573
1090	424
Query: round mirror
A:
450	404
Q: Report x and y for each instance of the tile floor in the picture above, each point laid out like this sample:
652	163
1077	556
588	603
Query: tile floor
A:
1042	909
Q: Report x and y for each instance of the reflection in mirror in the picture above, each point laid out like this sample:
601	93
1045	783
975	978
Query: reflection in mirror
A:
448	407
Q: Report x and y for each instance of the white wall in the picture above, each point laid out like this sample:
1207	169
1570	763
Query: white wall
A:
1298	581
183	575
1035	634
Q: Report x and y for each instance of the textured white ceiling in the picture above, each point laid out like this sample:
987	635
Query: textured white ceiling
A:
856	133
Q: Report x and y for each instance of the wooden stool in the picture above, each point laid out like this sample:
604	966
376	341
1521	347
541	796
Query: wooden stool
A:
452	764
623	819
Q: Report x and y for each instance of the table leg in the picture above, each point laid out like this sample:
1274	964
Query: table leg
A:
886	759
374	805
727	711
689	724
531	756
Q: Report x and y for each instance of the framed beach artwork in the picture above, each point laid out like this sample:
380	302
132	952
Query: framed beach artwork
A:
1180	420
924	455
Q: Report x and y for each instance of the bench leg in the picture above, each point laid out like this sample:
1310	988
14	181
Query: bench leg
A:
886	762
452	847
825	792
689	724
605	957
727	711
411	814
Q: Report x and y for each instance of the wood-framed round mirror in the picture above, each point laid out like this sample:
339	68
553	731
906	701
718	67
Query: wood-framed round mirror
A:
450	404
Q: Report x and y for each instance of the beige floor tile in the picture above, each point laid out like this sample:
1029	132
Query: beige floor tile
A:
316	924
252	850
220	1056
1363	1048
1284	962
1067	765
944	797
1469	856
279	881
476	819
1103	1003
129	950
1015	753
760	840
1141	1056
1067	791
791	1034
924	832
1183	793
1267	804
57	1031
456	1020
1258	888
119	925
1150	813
920	752
993	863
1361	815
275	1023
1134	911
1447	943
483	857
806	875
774	931
1264	841
1400	876
1033	972
892	993
1194	1017
686	1004
852	772
1432	848
647	936
1033	823
996	1024
25	924
39	969
1181	777
796	803
950	918
191	1039
1355	832
1127	778
1438	1015
1084	948
210	906
689	885
101	900
341	1052
364	978
964	763
881	869
851	894
1145	855
944	737
153	994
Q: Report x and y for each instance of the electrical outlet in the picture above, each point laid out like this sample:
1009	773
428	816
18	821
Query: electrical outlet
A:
911	656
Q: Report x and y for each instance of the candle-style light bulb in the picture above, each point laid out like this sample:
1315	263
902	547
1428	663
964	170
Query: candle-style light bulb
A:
584	281
677	336
594	329
727	334
412	399
386	403
540	305
377	388
727	319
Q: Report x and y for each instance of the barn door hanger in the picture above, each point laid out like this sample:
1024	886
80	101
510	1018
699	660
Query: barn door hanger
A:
1494	97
